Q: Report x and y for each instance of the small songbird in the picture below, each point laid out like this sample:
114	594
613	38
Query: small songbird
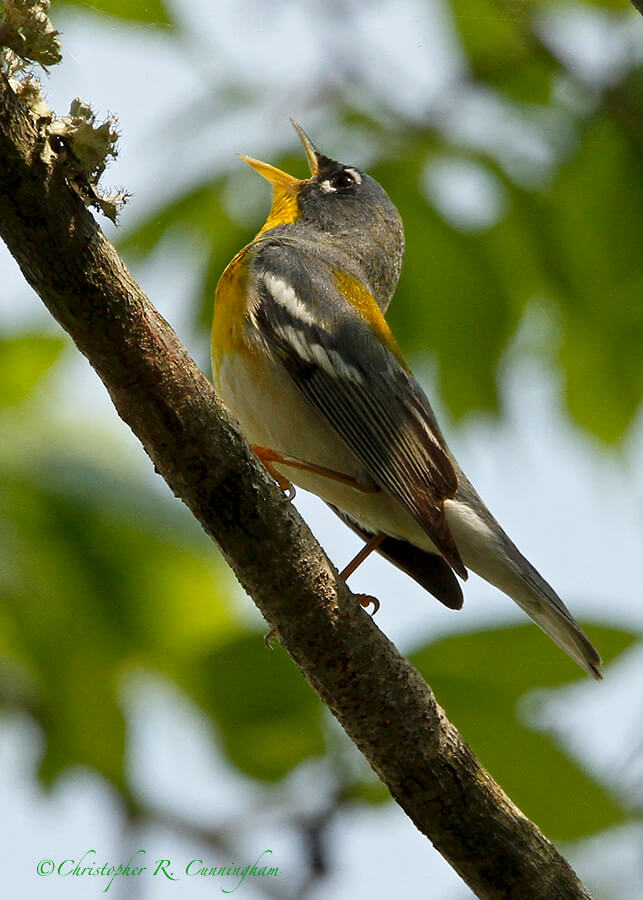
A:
303	357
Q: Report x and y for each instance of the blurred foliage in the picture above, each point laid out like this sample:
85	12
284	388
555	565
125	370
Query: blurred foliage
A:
256	697
143	12
94	580
100	577
480	679
24	359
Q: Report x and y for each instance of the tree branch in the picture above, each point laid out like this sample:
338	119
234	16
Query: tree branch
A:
380	699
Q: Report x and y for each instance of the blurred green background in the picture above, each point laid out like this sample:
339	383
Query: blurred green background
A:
509	136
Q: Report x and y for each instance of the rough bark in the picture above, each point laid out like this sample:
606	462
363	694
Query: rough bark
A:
380	699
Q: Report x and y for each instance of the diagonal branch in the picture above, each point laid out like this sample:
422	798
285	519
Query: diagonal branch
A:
380	699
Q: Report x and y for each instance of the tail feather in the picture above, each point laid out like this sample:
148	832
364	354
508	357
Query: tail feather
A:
488	551
548	611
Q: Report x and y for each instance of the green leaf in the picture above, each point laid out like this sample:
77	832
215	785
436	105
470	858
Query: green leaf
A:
603	371
82	719
519	658
623	5
530	82
480	678
371	791
500	48
269	719
146	12
489	32
24	360
498	33
460	295
589	225
96	577
196	211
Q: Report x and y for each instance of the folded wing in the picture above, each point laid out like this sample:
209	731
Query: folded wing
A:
363	390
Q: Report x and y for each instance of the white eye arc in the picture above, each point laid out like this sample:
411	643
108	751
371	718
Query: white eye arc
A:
357	178
343	180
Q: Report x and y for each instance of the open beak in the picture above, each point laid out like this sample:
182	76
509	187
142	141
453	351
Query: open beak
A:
285	187
313	154
278	179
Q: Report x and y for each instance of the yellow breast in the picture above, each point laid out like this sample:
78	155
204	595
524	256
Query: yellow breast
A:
231	307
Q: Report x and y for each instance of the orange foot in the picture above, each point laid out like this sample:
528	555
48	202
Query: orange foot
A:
372	544
267	457
366	600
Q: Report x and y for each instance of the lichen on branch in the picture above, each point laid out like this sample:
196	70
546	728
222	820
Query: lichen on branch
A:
83	149
27	35
75	144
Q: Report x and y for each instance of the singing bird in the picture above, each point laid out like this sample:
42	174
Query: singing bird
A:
303	357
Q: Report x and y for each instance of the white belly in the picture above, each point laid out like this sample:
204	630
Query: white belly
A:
282	419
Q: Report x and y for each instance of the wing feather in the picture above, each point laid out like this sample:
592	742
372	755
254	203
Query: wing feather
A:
364	392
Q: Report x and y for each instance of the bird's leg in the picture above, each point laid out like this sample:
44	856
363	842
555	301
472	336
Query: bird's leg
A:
268	456
372	544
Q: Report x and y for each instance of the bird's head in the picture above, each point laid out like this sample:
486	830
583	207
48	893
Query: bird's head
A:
341	206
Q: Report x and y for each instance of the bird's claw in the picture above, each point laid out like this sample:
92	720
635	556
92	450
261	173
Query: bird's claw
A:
367	600
287	487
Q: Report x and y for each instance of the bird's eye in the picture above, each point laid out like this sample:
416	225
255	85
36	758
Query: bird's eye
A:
343	180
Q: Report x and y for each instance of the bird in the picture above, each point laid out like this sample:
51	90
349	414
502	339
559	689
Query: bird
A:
304	359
